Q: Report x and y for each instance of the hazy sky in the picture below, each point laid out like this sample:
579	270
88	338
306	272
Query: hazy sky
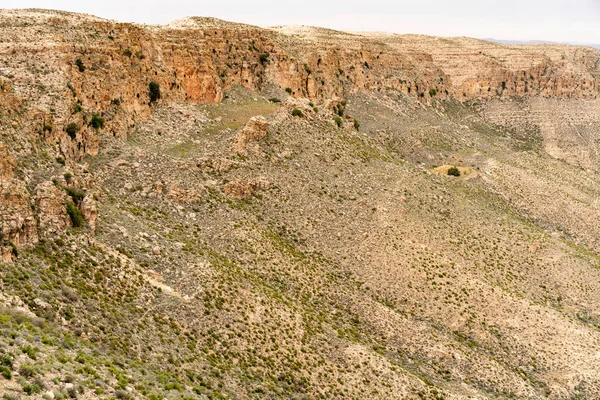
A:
552	20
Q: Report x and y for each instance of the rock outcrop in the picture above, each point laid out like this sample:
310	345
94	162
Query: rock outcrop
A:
51	205
16	217
89	211
254	131
197	60
244	189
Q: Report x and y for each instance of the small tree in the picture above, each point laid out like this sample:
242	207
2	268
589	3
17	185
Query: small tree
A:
74	214
288	90
97	122
76	194
80	65
453	171
264	58
72	129
154	91
296	112
337	120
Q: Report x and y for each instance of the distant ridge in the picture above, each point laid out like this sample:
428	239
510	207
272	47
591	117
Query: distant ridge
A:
595	46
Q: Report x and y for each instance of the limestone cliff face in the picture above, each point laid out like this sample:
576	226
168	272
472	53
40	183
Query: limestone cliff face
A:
16	218
94	66
72	79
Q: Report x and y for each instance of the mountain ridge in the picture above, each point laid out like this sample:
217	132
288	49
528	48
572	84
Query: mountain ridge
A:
220	211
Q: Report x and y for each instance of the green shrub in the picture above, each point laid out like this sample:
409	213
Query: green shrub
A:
453	171
80	65
76	108
15	251
127	53
30	351
26	370
432	92
154	91
337	120
296	113
6	360
76	194
75	214
68	176
274	100
72	129
356	124
288	90
264	58
97	122
31	388
5	372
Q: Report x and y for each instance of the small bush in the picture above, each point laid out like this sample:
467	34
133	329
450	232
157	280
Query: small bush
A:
97	122
154	91
76	194
356	124
5	372
80	65
337	120
127	53
60	160
296	113
288	90
453	171
72	129
30	351
15	251
6	360
264	58
31	389
75	214
76	108
68	176
274	100
26	370
432	92
121	394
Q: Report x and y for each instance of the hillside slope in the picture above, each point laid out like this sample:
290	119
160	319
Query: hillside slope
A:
280	222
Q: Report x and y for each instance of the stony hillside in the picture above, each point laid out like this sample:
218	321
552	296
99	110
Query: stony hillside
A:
219	211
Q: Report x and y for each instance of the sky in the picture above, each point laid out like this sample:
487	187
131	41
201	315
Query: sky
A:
567	21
